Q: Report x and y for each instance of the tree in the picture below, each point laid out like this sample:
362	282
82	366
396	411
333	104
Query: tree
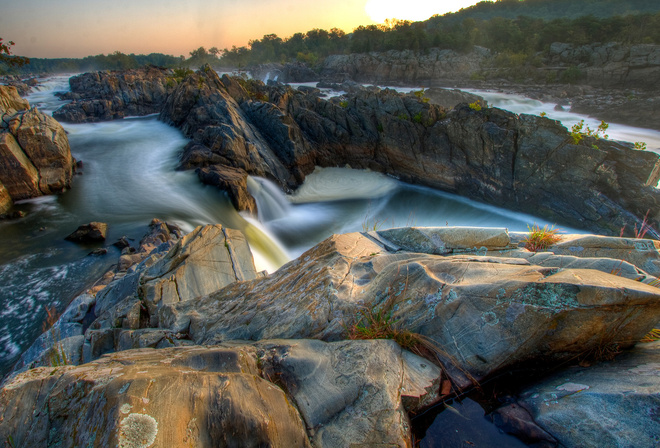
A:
6	56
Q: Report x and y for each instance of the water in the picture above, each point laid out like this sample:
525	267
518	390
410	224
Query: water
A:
521	105
129	177
341	200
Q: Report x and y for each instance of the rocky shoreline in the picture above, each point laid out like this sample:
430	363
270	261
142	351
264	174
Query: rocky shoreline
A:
195	316
610	81
524	163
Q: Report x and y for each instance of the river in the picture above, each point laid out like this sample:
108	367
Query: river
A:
129	177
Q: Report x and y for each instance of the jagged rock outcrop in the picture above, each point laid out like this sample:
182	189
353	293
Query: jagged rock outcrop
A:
610	65
450	98
524	163
101	96
285	73
407	66
35	157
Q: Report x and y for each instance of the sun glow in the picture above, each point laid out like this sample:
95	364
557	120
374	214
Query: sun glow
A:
415	10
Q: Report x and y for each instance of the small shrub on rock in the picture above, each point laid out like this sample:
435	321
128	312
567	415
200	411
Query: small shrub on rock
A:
539	239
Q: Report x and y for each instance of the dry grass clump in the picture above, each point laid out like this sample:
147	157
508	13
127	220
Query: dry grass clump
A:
540	238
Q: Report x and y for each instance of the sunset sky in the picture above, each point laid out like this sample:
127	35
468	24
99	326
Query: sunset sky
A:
78	28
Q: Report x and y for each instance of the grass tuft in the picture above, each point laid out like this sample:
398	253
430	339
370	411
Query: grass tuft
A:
652	336
540	238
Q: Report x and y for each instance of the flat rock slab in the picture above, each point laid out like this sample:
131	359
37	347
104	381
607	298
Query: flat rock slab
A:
614	403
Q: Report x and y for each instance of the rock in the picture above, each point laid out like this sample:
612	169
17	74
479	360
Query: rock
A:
613	403
524	163
412	68
336	385
122	243
234	182
99	251
284	73
449	98
328	389
6	203
100	96
89	233
169	397
487	312
35	157
10	104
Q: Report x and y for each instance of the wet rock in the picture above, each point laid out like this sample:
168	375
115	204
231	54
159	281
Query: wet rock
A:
284	73
614	403
122	243
99	251
89	233
234	182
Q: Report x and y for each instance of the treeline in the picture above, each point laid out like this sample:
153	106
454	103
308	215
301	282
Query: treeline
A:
550	9
521	35
114	61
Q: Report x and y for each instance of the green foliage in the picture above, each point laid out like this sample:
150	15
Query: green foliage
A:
543	114
380	127
343	104
403	116
7	58
475	106
571	75
417	118
540	238
640	145
579	131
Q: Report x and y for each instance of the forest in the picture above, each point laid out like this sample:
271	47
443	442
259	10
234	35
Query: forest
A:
516	29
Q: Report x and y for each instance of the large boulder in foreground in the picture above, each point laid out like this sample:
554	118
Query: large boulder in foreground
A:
488	311
174	398
223	396
35	157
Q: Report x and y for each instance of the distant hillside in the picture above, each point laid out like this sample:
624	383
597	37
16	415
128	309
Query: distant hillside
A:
549	9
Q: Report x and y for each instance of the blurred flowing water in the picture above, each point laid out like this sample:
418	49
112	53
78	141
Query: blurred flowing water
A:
129	177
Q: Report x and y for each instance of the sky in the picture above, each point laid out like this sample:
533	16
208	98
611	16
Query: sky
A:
78	28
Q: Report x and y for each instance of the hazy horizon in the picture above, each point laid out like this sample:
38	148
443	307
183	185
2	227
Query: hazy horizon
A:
79	28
